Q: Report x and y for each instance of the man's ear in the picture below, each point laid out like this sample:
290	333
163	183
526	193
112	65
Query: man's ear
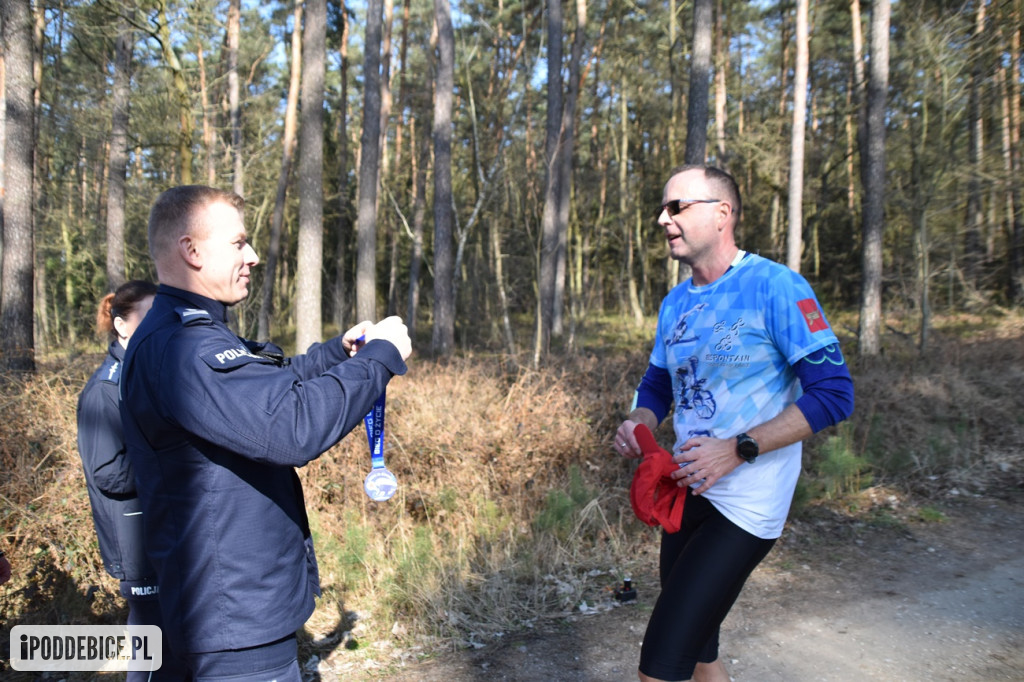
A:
723	214
187	247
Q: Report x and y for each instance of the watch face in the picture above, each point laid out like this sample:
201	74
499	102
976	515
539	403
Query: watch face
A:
746	447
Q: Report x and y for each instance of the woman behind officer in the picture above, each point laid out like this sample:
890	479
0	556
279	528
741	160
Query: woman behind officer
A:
108	473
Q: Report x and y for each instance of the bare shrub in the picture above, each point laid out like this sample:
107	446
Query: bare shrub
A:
512	507
46	519
480	455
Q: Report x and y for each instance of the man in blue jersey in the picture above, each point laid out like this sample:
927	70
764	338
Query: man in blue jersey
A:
747	364
215	426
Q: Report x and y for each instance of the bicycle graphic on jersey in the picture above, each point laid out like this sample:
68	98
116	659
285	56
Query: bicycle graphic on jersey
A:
693	395
682	328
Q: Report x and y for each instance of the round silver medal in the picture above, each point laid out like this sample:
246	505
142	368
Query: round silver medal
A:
380	484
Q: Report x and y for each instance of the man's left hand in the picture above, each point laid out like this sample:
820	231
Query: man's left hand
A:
705	459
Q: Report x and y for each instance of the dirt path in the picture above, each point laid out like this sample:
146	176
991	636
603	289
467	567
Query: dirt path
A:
925	602
838	600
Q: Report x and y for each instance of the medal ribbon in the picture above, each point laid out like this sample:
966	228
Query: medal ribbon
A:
374	422
380	484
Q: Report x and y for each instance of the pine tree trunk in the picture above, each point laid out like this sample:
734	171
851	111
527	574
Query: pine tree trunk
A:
634	297
17	349
973	241
182	95
700	80
385	88
369	166
673	124
794	242
873	197
721	80
69	282
385	225
118	154
3	140
565	165
234	98
552	191
918	147
443	337
209	140
342	294
308	285
421	159
287	152
1017	210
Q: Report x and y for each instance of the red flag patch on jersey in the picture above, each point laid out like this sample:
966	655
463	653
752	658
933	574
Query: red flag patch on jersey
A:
812	315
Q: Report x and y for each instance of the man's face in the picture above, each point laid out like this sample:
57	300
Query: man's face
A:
693	232
224	254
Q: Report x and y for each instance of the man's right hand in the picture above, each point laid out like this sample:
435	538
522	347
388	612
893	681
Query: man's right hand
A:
625	442
392	329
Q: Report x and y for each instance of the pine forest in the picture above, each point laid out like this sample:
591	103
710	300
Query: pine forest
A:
491	172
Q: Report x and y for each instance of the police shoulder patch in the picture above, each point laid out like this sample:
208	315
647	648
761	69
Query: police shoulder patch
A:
113	374
191	316
231	357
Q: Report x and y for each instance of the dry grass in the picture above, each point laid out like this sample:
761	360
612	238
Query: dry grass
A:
953	417
47	525
512	508
508	494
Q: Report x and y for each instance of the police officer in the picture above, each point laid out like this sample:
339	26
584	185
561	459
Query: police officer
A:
108	474
215	426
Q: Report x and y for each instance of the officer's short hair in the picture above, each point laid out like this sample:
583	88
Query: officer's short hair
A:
174	212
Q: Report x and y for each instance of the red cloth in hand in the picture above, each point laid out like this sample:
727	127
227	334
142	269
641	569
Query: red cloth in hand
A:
656	499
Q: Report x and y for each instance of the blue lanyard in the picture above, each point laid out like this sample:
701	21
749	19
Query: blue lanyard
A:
374	421
380	484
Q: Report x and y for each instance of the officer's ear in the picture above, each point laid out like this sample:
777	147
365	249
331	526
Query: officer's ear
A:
121	327
188	248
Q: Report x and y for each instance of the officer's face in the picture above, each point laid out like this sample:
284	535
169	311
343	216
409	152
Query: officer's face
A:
225	255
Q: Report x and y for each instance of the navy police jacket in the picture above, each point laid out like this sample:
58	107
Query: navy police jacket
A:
108	474
214	429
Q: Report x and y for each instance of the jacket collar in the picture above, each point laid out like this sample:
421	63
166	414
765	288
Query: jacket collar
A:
116	351
218	311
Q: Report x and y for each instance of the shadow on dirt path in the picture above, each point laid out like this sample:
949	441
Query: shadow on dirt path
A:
920	601
839	599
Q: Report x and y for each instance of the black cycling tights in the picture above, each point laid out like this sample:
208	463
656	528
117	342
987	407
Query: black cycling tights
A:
703	568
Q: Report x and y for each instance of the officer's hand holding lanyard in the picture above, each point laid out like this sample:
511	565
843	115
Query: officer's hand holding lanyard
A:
380	484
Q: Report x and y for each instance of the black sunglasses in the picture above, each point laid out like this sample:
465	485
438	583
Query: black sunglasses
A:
676	206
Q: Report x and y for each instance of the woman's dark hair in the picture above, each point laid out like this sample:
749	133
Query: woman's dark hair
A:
121	303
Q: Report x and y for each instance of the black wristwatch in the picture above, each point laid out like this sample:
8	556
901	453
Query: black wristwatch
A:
747	448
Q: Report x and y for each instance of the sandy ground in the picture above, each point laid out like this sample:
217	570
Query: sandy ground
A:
838	599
